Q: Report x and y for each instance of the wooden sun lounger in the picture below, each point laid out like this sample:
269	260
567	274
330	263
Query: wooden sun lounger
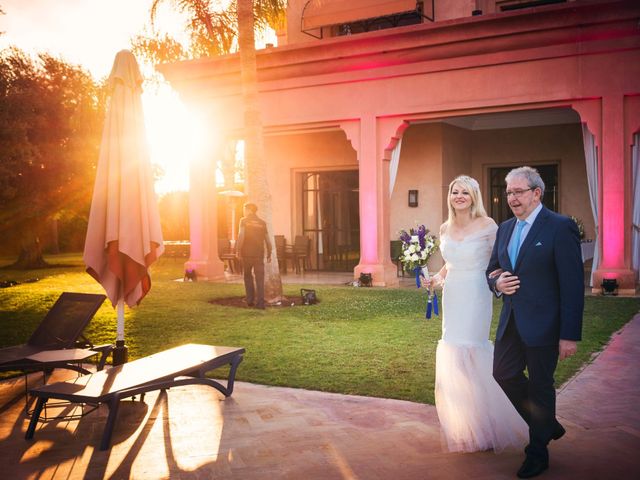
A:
184	365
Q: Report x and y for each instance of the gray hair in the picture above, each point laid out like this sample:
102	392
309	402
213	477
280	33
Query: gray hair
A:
530	174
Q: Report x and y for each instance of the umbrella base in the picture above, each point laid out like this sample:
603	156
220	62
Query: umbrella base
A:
120	353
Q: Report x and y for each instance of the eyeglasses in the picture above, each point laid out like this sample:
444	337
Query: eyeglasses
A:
516	193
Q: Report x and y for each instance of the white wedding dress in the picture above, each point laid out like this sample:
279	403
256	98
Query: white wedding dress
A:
474	412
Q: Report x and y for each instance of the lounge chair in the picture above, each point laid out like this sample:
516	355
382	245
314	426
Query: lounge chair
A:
61	329
183	365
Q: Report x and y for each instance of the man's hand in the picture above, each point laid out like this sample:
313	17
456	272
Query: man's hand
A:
495	273
507	283
567	348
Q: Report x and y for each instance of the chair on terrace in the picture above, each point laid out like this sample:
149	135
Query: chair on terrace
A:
301	253
59	334
183	365
395	252
228	256
283	252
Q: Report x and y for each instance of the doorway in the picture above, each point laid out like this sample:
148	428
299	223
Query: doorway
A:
331	218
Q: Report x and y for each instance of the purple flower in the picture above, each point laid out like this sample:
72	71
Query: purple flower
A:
426	244
421	233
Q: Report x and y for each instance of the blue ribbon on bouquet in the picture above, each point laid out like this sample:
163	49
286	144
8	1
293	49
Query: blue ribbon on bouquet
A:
432	297
418	272
432	304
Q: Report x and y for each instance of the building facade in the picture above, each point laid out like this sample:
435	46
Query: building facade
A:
366	101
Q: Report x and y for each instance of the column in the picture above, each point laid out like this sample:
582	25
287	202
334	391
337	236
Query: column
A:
374	206
614	192
203	221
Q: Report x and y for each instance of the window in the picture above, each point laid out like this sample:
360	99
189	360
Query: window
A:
341	17
508	5
379	23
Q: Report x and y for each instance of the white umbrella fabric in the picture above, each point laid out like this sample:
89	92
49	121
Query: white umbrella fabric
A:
123	235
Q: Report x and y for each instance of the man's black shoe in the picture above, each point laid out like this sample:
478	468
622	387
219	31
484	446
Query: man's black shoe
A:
558	431
532	467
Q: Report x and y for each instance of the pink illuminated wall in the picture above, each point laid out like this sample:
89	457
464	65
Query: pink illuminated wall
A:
581	55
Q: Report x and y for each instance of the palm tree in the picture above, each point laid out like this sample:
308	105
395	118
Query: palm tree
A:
212	27
256	183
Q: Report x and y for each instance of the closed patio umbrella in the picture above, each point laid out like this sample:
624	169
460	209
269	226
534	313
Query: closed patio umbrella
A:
123	235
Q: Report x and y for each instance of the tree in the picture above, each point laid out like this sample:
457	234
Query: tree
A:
51	117
212	27
257	186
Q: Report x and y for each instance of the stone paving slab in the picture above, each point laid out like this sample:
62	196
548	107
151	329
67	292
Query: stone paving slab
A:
266	432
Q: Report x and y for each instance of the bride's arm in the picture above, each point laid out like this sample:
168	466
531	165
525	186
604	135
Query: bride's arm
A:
437	280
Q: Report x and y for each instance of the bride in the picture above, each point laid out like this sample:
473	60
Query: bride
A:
474	412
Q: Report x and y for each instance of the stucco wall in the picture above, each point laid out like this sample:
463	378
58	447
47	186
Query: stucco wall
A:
453	9
420	168
433	154
288	154
456	159
561	144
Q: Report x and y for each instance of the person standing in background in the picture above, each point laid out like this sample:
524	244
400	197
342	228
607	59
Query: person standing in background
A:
252	239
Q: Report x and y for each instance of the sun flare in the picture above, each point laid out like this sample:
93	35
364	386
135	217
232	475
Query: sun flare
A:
175	137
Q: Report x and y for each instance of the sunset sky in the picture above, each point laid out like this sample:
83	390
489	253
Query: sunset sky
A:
90	33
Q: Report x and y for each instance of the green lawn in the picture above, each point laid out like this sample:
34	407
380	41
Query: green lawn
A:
365	341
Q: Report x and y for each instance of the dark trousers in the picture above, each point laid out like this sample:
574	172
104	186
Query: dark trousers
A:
534	397
254	267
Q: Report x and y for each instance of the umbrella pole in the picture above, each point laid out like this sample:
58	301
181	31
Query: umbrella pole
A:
121	352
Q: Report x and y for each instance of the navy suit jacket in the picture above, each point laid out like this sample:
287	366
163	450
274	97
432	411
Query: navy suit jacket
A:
549	304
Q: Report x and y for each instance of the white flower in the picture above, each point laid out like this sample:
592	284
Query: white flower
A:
415	257
414	239
423	255
412	248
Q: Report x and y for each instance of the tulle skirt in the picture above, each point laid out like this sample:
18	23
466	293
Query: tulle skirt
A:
474	412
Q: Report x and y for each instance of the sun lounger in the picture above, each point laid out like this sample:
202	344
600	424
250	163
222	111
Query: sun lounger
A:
60	329
184	365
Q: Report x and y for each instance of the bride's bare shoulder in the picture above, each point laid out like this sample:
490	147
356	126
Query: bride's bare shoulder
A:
489	221
485	224
443	228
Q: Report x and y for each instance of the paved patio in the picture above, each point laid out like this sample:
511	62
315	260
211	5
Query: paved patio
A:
267	432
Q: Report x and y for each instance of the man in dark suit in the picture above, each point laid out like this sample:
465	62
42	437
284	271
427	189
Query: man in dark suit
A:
542	288
252	240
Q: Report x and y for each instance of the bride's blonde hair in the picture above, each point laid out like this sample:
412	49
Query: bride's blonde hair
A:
473	187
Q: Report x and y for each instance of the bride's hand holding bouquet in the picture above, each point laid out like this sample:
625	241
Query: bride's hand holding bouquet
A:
417	247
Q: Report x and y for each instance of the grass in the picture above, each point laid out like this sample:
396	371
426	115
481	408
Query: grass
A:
365	341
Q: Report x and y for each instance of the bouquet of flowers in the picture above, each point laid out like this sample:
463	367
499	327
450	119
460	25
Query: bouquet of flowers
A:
417	247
